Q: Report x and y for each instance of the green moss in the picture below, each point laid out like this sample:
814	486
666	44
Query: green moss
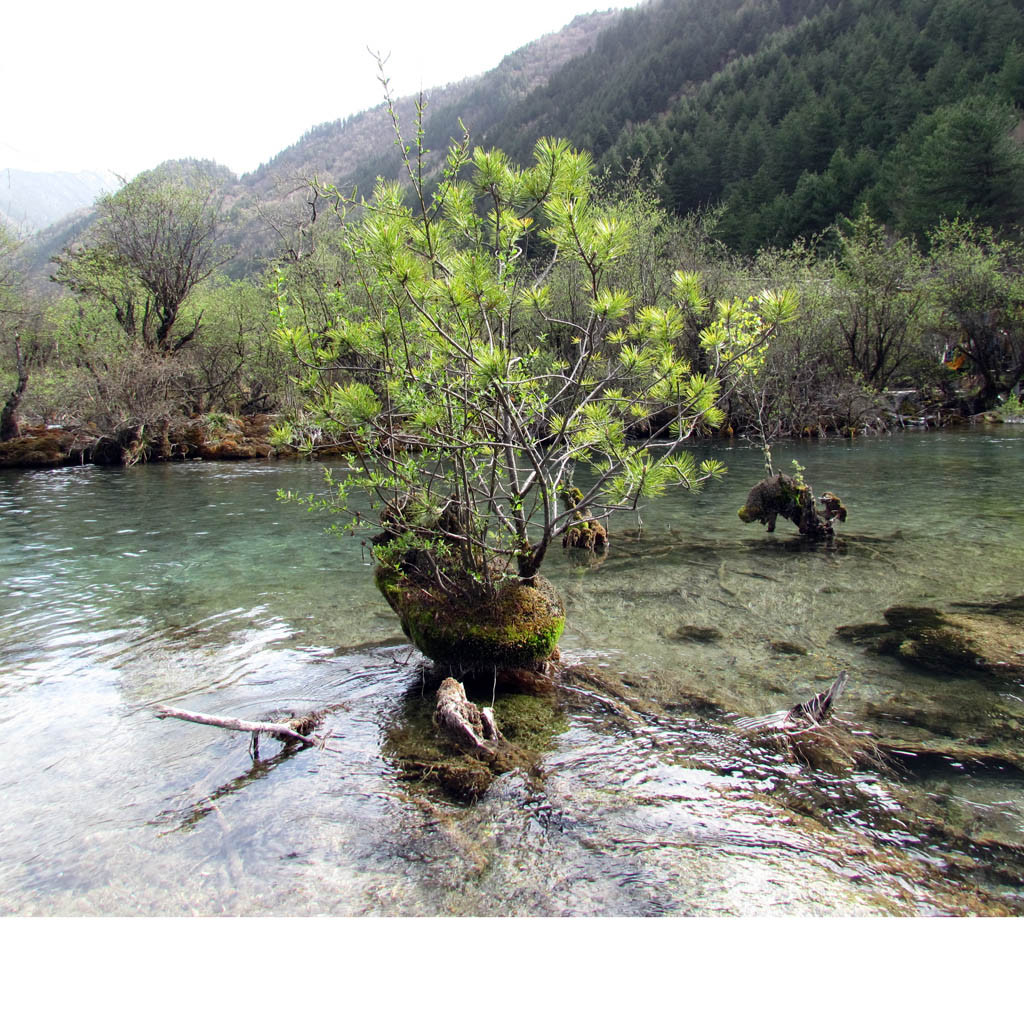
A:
423	757
518	629
528	721
589	535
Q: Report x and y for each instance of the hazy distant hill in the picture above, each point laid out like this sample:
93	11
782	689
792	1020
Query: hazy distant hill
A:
31	200
352	153
264	210
355	151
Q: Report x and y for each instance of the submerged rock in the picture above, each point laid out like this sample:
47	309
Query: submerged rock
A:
695	634
787	647
988	640
966	731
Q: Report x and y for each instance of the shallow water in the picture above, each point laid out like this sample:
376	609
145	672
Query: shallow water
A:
189	584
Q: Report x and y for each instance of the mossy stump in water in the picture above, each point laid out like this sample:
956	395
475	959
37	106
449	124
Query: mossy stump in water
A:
37	448
781	495
585	533
518	628
424	754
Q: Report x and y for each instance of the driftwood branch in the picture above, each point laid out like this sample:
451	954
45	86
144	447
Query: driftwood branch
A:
288	731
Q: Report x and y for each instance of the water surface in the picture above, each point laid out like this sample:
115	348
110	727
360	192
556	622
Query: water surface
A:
190	584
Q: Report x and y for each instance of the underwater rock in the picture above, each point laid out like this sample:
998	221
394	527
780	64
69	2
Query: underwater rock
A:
581	558
518	628
830	747
695	634
786	647
989	640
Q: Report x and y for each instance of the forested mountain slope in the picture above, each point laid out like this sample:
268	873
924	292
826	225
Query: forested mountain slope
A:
790	113
795	111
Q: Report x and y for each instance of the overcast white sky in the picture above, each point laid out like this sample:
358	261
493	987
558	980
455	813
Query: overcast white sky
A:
120	85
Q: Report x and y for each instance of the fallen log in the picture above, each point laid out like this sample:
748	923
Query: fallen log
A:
295	730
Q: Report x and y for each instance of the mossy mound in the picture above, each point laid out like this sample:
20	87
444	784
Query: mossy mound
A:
518	628
423	756
221	438
37	449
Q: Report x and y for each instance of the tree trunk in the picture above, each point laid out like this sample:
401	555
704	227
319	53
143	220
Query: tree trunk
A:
9	416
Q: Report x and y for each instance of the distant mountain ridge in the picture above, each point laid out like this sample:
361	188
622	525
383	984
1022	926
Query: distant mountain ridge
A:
353	152
32	200
792	113
265	209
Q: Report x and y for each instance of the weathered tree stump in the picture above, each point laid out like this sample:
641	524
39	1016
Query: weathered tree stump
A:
585	533
464	724
781	495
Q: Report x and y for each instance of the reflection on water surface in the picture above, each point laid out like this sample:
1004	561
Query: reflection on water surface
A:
190	585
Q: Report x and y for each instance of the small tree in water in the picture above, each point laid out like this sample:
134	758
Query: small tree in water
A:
468	425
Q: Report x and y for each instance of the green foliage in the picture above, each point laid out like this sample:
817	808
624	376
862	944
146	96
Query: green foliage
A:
467	426
1011	410
962	162
154	241
793	114
882	299
979	298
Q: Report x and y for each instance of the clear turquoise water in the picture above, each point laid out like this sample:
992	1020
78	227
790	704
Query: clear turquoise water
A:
190	584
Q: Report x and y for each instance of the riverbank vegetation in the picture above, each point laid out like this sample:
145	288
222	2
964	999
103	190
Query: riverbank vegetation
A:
890	331
865	157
